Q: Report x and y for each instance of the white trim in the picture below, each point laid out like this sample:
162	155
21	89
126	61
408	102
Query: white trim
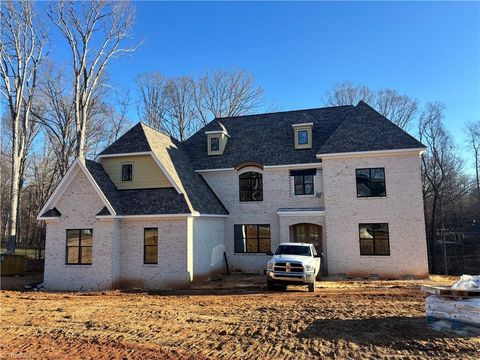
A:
212	132
373	153
267	167
156	216
304	124
293	166
124	154
165	172
65	182
302	213
214	170
49	219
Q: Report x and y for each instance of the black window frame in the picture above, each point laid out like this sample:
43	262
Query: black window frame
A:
131	172
371	182
249	189
258	238
217	138
373	225
145	246
80	247
303	185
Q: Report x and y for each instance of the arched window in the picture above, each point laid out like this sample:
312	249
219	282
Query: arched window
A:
251	186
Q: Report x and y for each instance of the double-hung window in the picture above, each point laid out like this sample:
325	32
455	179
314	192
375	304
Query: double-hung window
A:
79	247
303	181
150	246
252	238
374	239
127	172
371	182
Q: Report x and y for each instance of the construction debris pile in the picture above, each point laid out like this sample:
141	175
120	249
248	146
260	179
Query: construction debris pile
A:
458	304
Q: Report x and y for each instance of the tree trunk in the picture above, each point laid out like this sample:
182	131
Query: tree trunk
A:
14	194
476	173
432	236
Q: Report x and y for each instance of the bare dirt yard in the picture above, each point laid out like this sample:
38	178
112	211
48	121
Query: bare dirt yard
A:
342	319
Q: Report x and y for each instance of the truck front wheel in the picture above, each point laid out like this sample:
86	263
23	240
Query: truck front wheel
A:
271	285
311	287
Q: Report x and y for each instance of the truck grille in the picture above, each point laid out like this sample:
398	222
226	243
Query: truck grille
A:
288	267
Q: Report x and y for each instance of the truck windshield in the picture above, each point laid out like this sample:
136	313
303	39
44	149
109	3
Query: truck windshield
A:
293	250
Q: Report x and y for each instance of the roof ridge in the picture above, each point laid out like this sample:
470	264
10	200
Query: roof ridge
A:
280	112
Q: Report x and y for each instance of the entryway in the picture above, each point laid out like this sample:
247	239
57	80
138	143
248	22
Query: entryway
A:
311	234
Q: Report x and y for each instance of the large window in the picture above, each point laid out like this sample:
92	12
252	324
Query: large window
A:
79	247
371	182
252	238
150	246
127	172
374	239
251	187
303	184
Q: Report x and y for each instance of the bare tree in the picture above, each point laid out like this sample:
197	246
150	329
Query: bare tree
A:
152	104
180	113
95	32
226	93
55	112
346	93
439	166
21	53
400	109
472	130
179	106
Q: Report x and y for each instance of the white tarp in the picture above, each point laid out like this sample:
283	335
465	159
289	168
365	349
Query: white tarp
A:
467	282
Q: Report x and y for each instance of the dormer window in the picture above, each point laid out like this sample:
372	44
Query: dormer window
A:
127	172
216	141
303	135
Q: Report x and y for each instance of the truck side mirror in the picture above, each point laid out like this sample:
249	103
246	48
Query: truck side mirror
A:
269	253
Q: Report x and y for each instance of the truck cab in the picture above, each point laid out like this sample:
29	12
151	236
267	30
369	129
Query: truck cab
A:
293	264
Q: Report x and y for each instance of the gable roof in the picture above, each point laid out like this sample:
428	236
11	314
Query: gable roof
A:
368	131
169	154
268	138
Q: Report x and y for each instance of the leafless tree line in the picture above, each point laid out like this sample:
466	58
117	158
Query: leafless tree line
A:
61	111
180	106
451	196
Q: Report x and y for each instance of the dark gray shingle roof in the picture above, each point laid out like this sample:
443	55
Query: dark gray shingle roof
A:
368	131
51	213
137	201
268	138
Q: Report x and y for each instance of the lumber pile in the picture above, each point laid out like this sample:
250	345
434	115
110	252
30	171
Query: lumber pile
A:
459	304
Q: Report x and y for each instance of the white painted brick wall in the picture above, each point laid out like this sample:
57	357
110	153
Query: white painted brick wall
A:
276	194
402	209
208	247
171	270
78	207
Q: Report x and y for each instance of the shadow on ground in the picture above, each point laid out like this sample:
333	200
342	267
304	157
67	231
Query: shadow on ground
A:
414	331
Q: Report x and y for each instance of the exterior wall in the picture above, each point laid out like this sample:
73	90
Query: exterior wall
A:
402	209
277	193
146	172
172	268
208	246
78	205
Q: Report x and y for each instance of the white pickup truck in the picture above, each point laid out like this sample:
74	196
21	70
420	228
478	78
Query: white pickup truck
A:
293	264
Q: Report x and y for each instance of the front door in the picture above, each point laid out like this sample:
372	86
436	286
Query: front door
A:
311	234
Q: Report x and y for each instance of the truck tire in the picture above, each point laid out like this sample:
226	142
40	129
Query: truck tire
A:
311	287
271	285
